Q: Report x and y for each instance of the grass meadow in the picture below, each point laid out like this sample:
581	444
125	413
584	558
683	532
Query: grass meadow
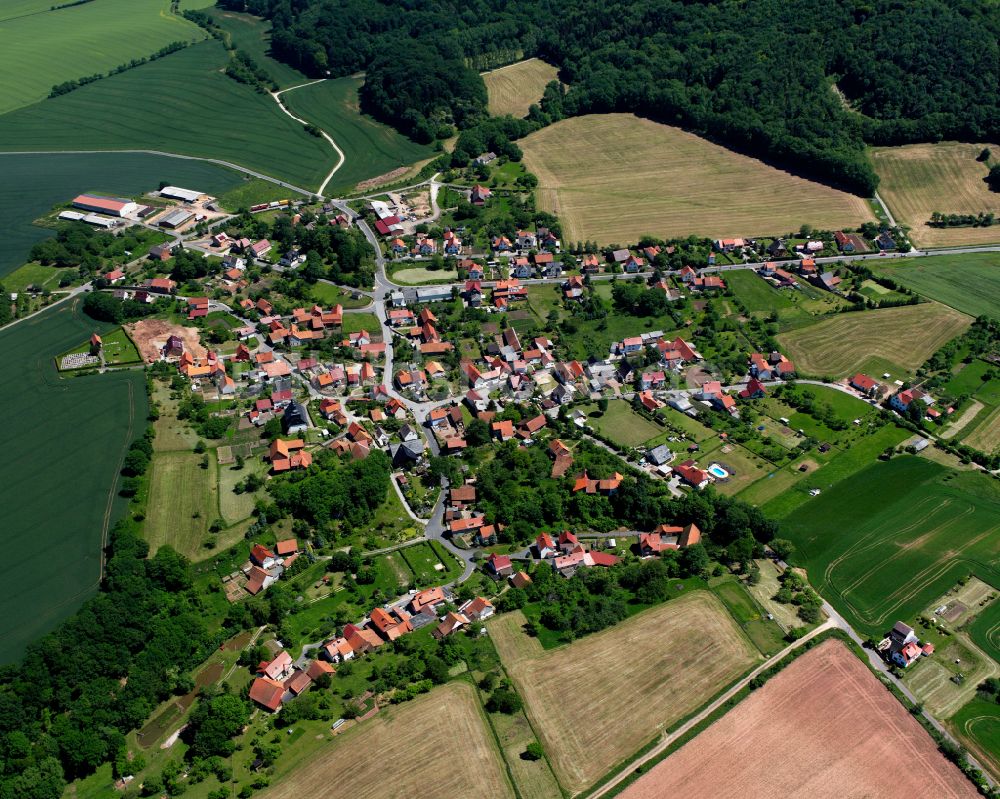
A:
514	88
622	425
370	148
969	283
894	340
615	177
58	490
918	179
252	35
33	184
884	543
183	502
177	104
45	46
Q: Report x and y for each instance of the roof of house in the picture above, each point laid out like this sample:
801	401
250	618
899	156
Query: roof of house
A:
267	693
287	547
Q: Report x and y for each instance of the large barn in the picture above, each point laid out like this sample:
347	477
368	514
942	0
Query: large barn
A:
105	205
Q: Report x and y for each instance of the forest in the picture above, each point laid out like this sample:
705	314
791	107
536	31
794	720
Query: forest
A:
803	85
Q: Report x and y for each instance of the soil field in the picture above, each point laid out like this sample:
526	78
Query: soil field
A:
902	338
513	89
44	49
33	184
418	734
126	112
599	700
59	490
824	728
885	543
150	335
615	177
370	148
183	502
918	179
947	278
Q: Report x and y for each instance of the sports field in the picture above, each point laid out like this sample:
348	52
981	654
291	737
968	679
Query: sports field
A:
969	283
370	148
177	104
43	49
895	340
183	502
599	700
513	89
884	543
918	179
58	488
33	184
434	746
615	177
824	728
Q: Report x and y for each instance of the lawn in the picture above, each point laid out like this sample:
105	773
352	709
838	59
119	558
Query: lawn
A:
419	275
969	283
329	294
893	339
514	88
127	111
743	466
356	322
615	177
918	179
370	148
883	544
978	726
621	424
183	502
598	700
60	491
694	429
44	49
34	184
423	559
235	507
118	349
34	274
448	719
253	191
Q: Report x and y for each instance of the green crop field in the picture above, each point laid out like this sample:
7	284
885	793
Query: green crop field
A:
41	49
895	340
969	283
58	488
179	104
985	630
370	148
33	184
978	725
883	544
252	35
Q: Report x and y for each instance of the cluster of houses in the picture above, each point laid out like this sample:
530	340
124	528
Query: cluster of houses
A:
901	400
265	566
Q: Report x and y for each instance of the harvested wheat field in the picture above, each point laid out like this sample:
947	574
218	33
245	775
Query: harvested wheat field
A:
599	700
824	728
986	436
513	89
434	746
890	339
918	179
615	177
150	335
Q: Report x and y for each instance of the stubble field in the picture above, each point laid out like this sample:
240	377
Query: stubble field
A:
597	701
918	179
615	177
434	746
824	728
513	89
877	340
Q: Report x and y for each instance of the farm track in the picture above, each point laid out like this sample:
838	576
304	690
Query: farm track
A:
327	136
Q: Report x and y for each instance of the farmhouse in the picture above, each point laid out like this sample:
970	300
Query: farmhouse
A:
105	205
903	647
667	537
867	385
285	455
905	398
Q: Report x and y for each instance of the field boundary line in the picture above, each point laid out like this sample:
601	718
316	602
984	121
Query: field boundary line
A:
114	483
277	98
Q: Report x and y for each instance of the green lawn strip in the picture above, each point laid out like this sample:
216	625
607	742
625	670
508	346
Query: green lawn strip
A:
765	634
863	541
849	461
254	191
370	148
356	322
328	294
694	429
126	112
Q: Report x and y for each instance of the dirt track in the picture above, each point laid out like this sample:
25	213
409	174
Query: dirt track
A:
825	728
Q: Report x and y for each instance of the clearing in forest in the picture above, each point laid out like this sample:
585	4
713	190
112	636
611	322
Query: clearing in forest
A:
513	89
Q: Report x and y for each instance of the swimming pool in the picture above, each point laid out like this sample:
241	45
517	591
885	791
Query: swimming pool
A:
717	471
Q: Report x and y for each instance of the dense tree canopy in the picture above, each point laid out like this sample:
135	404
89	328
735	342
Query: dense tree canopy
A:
804	84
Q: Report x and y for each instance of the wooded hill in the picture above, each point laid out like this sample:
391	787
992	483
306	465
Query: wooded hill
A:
759	76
